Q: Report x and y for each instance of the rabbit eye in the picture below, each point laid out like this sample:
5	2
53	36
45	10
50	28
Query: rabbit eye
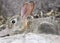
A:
13	21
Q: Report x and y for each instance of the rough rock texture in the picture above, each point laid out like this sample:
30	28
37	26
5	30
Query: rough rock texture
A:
31	38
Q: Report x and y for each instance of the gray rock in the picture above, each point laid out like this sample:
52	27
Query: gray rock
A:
31	38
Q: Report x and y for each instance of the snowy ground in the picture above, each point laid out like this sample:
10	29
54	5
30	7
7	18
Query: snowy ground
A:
31	38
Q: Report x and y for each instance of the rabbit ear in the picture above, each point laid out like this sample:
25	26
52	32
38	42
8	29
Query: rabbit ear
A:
24	10
30	10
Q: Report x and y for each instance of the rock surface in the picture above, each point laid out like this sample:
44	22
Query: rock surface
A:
31	38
